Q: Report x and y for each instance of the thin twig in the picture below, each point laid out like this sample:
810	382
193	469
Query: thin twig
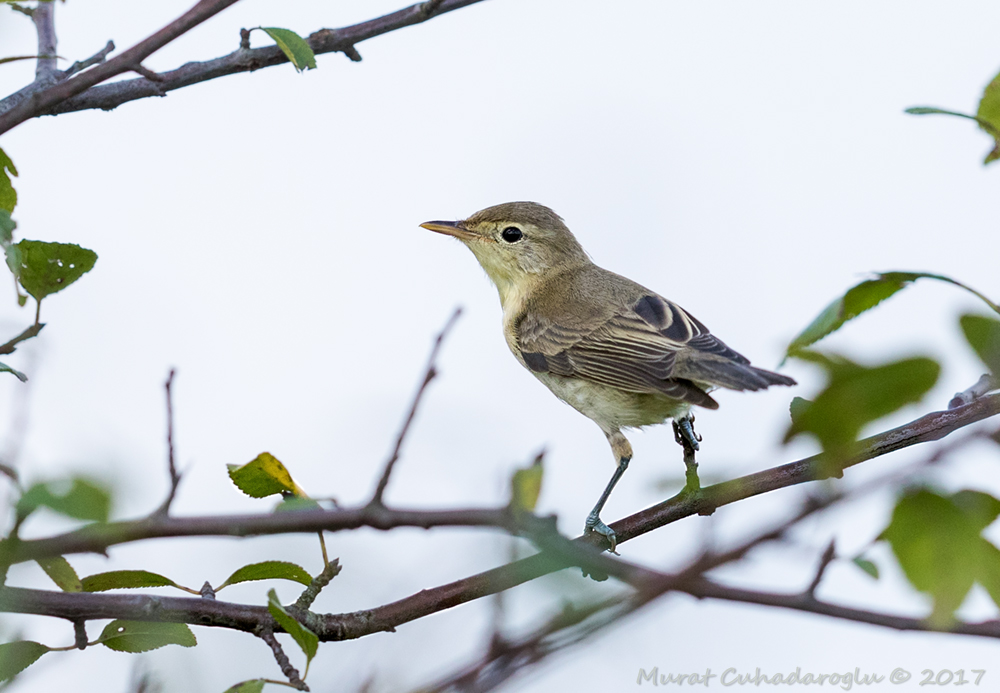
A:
80	634
986	383
824	563
291	673
322	548
43	17
175	477
429	374
308	596
147	73
96	59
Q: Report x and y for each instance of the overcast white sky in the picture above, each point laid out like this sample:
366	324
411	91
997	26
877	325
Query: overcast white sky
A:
260	233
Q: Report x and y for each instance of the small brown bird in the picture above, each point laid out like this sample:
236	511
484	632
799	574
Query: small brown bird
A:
615	351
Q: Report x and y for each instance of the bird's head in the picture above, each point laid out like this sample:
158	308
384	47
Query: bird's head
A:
517	243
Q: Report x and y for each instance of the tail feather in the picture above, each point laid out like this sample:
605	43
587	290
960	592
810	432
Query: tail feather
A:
729	374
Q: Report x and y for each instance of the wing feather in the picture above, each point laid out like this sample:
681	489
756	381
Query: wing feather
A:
652	346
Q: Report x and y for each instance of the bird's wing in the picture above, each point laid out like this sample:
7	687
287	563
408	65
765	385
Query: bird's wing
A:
651	346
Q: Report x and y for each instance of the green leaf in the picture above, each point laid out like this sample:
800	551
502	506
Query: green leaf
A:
268	570
251	686
15	657
263	476
124	580
797	407
4	368
46	268
988	116
863	297
989	574
7	226
62	573
82	499
866	566
856	301
983	335
295	504
980	509
8	196
937	541
526	486
856	395
142	636
295	48
303	637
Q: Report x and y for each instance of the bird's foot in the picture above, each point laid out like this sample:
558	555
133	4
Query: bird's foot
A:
594	524
684	432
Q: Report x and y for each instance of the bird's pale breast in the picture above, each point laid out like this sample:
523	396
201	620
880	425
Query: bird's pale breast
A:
611	408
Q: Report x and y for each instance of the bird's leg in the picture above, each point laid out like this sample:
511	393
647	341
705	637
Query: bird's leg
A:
684	434
623	453
594	523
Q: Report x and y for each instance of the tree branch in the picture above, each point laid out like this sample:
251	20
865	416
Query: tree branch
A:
84	95
824	563
44	99
44	19
97	58
557	553
707	589
175	477
429	374
927	428
97	538
266	634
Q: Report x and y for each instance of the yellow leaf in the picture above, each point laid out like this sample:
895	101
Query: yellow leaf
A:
526	486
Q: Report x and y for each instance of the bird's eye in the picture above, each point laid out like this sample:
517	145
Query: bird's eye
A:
511	234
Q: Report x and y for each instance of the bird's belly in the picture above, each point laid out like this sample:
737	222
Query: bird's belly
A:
611	408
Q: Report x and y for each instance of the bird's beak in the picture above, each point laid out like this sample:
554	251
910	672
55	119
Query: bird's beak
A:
449	228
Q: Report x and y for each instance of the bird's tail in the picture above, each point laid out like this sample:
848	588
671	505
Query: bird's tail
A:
732	375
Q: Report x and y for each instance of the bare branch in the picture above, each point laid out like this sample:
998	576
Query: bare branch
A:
44	99
824	563
43	17
175	477
291	673
649	585
429	375
308	596
707	589
80	634
507	657
98	538
109	96
97	58
986	383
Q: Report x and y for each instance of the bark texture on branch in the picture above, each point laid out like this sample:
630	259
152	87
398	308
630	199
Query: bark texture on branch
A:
86	91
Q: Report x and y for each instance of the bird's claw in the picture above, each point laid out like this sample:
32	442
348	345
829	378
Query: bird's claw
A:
594	524
684	432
